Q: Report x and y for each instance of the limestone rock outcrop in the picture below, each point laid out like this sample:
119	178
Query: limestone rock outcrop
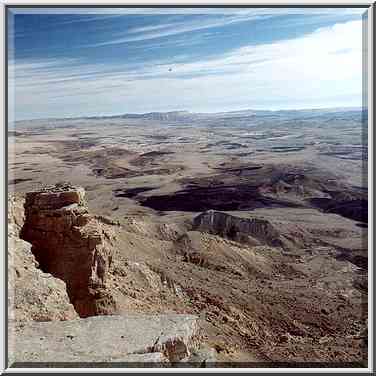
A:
254	231
72	245
131	338
32	294
16	213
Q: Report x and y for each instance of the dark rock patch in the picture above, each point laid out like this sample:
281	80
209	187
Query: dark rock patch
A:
148	158
131	192
286	149
353	209
196	199
16	181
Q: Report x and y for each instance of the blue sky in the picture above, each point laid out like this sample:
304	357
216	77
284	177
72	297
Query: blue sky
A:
83	62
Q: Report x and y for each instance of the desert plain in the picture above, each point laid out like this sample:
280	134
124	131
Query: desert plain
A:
253	221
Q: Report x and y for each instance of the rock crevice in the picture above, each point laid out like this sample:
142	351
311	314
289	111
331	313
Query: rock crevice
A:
32	294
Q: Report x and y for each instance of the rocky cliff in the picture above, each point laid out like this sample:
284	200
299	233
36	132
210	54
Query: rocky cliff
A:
64	239
72	245
32	294
254	231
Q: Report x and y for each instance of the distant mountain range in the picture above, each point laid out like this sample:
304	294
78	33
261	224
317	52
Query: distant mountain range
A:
175	116
179	115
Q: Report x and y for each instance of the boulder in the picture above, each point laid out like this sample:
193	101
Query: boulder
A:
202	357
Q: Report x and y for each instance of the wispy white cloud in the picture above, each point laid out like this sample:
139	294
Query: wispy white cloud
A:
178	41
169	29
143	29
101	17
233	16
324	67
311	50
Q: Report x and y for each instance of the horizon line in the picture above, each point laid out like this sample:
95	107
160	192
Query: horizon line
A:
349	108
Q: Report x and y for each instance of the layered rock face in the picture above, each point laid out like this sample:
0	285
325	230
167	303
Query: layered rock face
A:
72	245
32	294
254	231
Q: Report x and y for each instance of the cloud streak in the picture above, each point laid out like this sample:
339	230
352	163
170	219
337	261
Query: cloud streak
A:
216	20
171	29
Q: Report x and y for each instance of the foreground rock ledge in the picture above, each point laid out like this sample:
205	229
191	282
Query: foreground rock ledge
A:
141	338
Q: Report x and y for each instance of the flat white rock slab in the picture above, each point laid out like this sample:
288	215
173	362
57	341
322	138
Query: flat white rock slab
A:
168	337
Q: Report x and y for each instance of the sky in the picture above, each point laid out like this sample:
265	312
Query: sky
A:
94	62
